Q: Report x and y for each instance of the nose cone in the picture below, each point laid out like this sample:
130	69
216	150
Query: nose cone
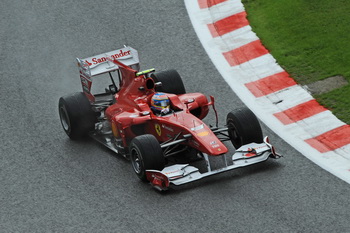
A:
203	139
208	143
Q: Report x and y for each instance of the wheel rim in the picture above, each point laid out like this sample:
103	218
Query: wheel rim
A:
234	136
64	119
136	160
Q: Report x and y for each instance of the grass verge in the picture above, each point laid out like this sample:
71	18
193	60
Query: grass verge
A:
310	40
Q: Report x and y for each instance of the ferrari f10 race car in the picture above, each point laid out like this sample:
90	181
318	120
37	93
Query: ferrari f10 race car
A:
148	117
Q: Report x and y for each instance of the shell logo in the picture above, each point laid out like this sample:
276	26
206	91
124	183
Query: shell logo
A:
202	134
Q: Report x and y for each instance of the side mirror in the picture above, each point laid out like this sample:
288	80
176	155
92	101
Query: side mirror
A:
188	101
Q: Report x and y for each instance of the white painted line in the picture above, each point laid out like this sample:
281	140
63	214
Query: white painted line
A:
209	15
281	100
344	152
234	39
225	9
311	125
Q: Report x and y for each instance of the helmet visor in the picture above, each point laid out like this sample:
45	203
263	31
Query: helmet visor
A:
164	103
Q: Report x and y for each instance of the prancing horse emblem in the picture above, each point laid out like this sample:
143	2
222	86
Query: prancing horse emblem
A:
158	129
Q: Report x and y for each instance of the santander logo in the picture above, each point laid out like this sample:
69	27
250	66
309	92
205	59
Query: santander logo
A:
116	55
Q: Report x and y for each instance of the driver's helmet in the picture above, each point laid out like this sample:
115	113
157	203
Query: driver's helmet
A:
160	103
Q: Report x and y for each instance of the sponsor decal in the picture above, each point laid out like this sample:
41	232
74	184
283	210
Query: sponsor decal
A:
117	55
167	128
251	152
203	134
198	127
88	62
172	172
158	129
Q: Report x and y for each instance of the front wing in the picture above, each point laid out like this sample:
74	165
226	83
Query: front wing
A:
179	174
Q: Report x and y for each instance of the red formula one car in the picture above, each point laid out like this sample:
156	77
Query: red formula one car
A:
150	119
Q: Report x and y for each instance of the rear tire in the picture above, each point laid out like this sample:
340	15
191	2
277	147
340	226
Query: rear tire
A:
243	127
76	115
171	82
145	154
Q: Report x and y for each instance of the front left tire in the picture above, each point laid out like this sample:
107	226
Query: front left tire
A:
146	154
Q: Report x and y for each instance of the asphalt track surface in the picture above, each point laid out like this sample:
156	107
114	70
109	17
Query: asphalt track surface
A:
51	184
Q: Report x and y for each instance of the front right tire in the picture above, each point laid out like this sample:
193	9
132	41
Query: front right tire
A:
243	127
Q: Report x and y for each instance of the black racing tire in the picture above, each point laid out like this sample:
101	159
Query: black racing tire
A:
171	82
243	127
77	117
146	153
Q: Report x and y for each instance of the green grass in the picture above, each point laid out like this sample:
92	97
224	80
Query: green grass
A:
310	39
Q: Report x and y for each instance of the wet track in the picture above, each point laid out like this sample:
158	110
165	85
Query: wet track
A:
49	183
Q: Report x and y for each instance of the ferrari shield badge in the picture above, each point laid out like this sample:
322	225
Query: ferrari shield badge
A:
158	129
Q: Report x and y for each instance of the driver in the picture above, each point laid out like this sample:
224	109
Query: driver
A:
160	103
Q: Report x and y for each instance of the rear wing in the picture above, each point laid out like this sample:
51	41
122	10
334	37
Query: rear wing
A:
99	64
